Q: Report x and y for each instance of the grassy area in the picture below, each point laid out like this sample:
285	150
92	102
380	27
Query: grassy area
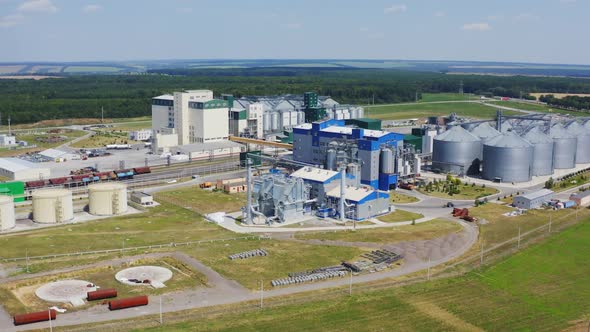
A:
570	181
430	97
464	191
203	201
420	110
543	288
399	198
162	224
19	296
534	107
279	262
104	137
400	215
37	139
422	231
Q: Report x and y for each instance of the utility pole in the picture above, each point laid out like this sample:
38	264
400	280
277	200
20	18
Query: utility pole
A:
9	131
50	327
350	284
261	293
27	258
161	320
428	277
518	237
550	220
101	114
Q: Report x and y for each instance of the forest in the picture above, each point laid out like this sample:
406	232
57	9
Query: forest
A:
568	102
129	95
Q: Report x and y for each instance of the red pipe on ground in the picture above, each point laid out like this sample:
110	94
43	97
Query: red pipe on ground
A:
128	302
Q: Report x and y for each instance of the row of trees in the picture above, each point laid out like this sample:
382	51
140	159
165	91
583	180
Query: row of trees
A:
569	102
130	95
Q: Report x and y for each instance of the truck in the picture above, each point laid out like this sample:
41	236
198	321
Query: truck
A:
406	186
205	185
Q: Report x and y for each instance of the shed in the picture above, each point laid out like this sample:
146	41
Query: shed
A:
19	169
581	198
533	199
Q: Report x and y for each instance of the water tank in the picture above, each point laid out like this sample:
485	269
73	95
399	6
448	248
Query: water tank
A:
300	117
266	119
107	199
564	147
456	151
52	206
583	141
355	171
484	131
542	151
331	159
6	213
508	157
274	124
386	161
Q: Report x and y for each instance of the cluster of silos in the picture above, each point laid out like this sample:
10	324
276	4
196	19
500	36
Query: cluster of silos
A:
340	153
277	120
107	199
7	216
582	135
457	151
564	147
507	158
484	131
51	206
542	151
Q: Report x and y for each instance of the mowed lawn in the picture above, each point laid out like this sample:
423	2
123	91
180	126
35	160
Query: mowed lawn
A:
543	288
422	110
203	201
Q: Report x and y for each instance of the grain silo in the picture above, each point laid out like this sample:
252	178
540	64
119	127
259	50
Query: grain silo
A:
583	141
484	131
564	147
52	206
507	158
542	151
107	199
7	218
506	126
456	151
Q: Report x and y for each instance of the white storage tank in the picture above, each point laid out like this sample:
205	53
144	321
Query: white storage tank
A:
52	206
7	219
107	199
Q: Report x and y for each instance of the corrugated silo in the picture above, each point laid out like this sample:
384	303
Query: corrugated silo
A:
386	161
331	159
274	123
506	126
484	131
542	153
266	121
7	218
456	151
52	206
564	147
507	157
583	141
107	199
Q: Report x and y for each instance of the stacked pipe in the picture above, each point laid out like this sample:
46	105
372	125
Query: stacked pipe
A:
307	278
248	254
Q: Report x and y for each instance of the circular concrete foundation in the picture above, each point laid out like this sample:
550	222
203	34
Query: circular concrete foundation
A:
63	291
137	275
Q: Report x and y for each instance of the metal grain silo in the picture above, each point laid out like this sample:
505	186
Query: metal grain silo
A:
266	121
331	159
52	206
7	218
274	123
583	141
484	131
386	161
107	199
507	158
542	151
506	126
564	147
456	151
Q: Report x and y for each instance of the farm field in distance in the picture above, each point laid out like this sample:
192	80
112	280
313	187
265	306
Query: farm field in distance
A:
418	110
542	288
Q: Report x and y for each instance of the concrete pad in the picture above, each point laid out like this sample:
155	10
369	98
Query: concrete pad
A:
157	275
64	291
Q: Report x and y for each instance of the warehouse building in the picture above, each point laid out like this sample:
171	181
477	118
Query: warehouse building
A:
206	151
361	203
140	135
532	200
581	198
18	169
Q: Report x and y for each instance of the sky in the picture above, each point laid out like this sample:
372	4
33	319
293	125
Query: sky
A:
538	31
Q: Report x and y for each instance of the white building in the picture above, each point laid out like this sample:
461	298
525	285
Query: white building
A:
140	135
211	150
162	112
18	169
6	140
59	155
247	121
533	199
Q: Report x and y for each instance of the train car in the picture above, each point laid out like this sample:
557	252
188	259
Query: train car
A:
59	181
35	184
142	170
124	174
105	176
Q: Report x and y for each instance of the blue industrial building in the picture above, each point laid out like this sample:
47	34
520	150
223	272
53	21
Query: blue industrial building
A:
330	143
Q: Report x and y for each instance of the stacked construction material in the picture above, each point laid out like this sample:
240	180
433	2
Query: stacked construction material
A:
248	254
308	278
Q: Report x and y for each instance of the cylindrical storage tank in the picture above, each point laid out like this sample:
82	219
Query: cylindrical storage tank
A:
52	206
101	294
331	159
583	141
386	161
354	170
275	121
300	117
128	302
564	148
507	157
7	218
506	126
484	131
34	317
456	151
107	199
341	156
266	121
542	151
354	149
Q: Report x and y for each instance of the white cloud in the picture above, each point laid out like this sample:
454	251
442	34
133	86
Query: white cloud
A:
292	26
91	8
526	17
43	6
11	20
440	14
395	9
476	27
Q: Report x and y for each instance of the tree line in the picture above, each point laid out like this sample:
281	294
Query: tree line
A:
569	102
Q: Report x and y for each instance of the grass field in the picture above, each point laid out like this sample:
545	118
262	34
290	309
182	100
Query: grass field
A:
32	139
543	288
400	215
399	198
103	138
422	231
19	296
84	69
420	110
467	192
203	201
430	97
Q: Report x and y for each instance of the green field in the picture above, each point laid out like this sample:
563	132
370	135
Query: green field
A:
543	288
466	192
203	201
31	139
421	110
399	198
430	97
91	69
400	215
